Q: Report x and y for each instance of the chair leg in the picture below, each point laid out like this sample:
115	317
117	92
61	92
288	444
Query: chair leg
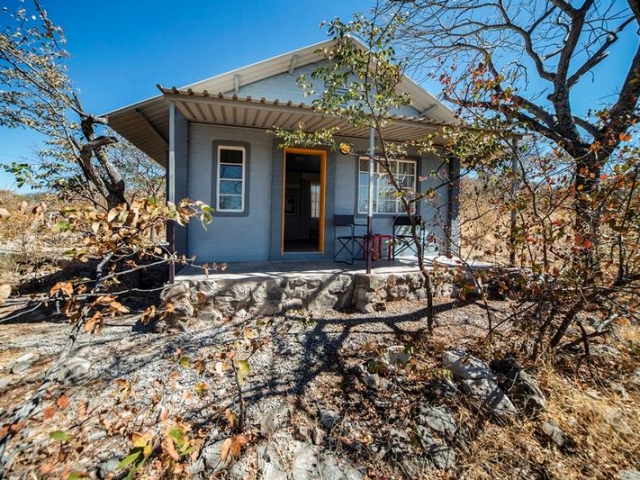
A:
344	246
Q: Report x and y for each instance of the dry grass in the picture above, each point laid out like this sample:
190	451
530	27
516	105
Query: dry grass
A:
596	405
484	228
604	427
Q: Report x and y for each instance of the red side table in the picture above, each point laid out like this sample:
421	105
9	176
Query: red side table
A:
376	246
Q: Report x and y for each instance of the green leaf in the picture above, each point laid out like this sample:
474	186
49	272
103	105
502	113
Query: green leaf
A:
201	389
185	362
187	451
77	475
60	436
243	369
244	366
129	459
61	226
178	436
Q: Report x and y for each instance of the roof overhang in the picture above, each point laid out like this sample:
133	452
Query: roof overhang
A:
146	124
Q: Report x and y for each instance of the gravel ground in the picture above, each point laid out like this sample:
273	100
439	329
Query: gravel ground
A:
148	382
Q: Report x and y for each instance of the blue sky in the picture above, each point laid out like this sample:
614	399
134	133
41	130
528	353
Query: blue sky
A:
122	49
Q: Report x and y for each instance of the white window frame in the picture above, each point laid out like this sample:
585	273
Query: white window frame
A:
219	178
382	185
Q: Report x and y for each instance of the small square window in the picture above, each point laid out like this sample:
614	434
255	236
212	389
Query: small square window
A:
231	175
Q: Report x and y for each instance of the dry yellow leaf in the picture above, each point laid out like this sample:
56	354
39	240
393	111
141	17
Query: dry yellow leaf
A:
118	307
224	451
169	448
91	323
237	442
5	292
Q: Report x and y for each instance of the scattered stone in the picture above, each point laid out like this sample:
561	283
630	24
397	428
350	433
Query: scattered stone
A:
97	435
443	457
269	463
444	388
210	460
329	418
479	382
331	468
415	467
399	441
304	465
491	397
23	363
240	316
385	384
8	381
371	380
288	350
240	467
397	355
302	433
593	394
308	464
556	435
521	386
317	435
73	369
629	475
274	420
465	366
108	469
620	390
439	419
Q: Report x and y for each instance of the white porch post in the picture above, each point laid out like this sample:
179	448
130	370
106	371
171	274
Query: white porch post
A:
369	241
171	186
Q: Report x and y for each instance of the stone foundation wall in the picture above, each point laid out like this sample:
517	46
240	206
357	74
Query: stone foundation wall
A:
366	293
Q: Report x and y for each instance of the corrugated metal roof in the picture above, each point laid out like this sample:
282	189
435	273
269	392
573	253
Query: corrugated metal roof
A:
146	124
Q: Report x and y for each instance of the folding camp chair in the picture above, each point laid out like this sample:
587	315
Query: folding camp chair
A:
401	238
346	244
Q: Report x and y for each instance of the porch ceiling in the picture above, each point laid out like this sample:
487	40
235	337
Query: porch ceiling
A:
147	124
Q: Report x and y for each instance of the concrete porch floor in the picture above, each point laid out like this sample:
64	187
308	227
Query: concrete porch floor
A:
264	270
258	270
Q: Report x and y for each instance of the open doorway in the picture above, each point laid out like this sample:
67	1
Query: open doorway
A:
303	200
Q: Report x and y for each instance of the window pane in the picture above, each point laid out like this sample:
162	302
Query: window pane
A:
314	193
387	206
230	186
228	202
407	175
406	168
384	197
231	156
230	171
363	191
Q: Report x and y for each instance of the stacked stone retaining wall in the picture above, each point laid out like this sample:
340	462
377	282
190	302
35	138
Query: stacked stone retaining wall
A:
314	293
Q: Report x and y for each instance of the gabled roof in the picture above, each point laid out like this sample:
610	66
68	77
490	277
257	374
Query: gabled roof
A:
215	100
